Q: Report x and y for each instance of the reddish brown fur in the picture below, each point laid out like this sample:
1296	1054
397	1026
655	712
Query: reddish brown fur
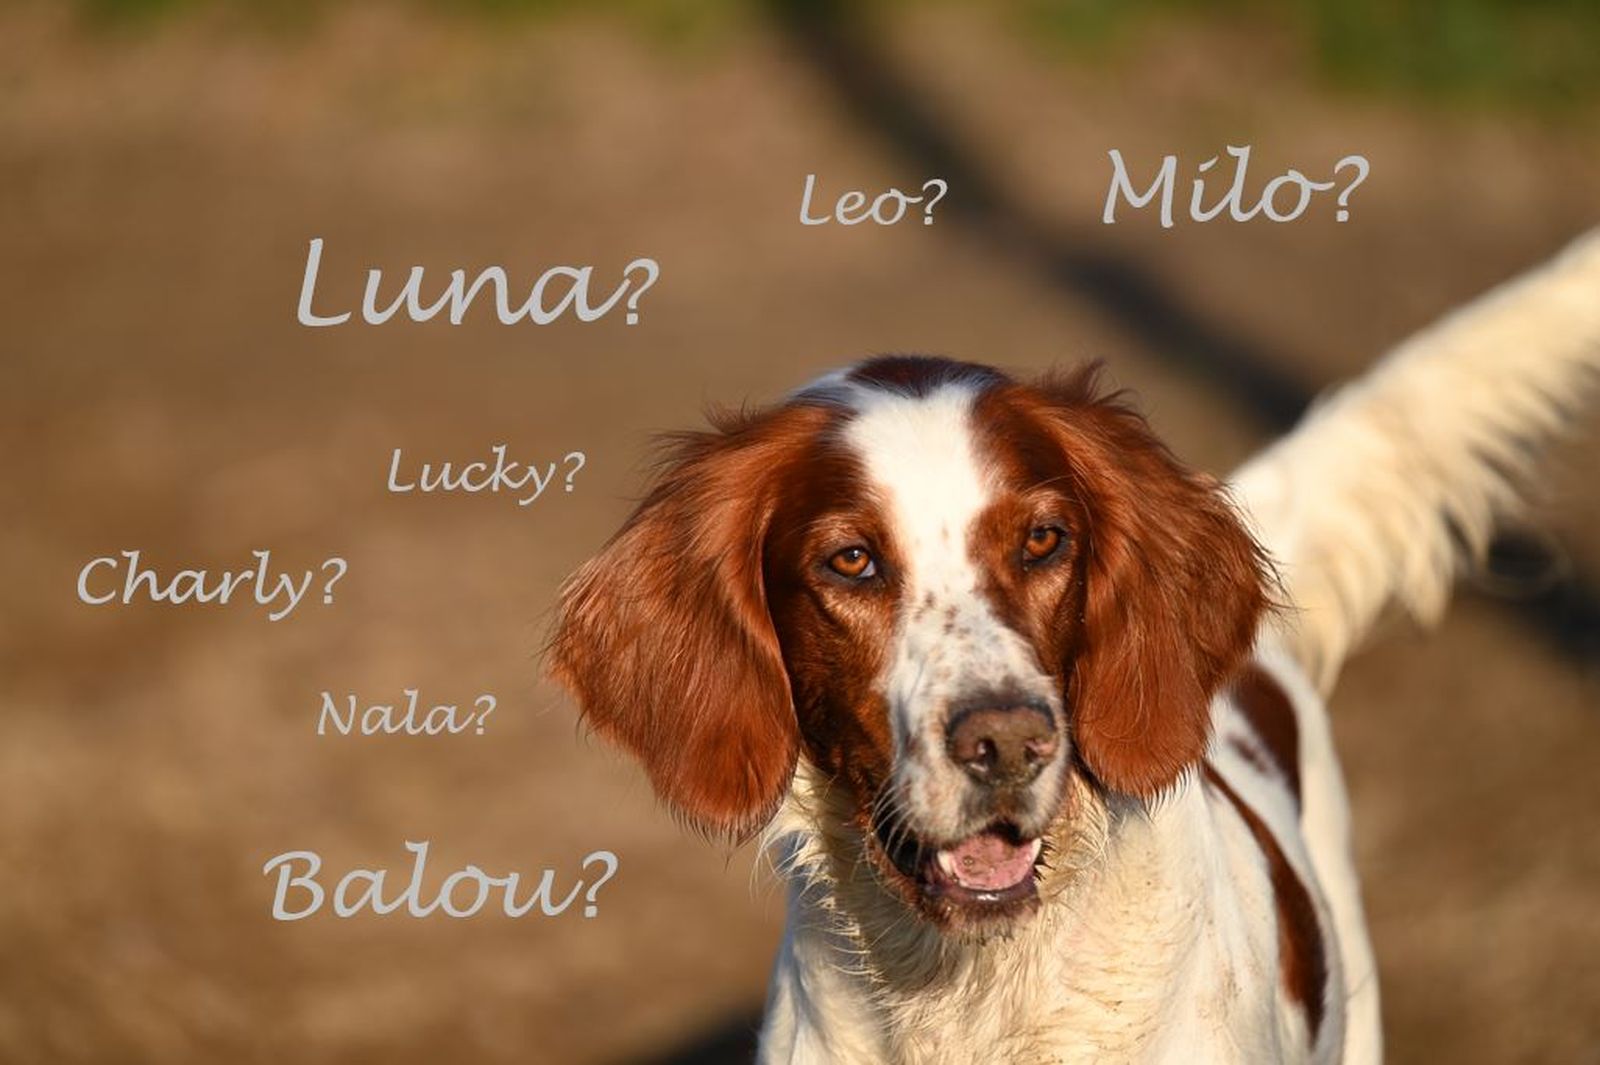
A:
665	637
1173	585
709	638
1302	955
833	637
1043	602
1266	707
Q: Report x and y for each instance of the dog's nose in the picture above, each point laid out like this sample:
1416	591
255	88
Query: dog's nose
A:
1002	745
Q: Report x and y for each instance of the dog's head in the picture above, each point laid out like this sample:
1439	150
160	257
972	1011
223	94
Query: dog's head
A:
953	594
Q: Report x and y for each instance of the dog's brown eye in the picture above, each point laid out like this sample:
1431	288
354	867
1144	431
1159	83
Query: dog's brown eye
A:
853	562
1041	543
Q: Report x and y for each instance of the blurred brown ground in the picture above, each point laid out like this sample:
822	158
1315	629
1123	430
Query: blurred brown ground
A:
157	190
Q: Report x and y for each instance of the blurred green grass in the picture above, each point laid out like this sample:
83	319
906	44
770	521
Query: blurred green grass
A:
1538	54
664	20
1522	53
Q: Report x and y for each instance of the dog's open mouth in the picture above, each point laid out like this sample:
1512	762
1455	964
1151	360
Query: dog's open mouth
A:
994	868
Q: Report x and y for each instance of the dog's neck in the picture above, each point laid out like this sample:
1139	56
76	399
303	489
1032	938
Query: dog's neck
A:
1136	906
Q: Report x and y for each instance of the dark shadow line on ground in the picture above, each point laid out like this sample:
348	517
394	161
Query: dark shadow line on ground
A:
1566	614
730	1042
866	87
835	42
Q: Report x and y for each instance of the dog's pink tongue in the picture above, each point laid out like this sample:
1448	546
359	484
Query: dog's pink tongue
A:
989	861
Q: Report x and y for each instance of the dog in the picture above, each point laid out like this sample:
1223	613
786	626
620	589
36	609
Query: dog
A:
1031	712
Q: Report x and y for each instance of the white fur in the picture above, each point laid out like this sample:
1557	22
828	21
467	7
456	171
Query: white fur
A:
1156	939
918	454
1357	504
1161	948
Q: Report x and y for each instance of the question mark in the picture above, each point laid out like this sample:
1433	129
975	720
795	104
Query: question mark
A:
653	270
611	871
1360	163
327	589
582	458
927	211
485	715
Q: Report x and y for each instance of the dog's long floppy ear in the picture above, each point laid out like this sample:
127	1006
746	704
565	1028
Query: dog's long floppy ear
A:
665	639
1175	589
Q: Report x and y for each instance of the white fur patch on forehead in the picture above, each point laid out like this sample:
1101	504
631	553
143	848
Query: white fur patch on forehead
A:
919	452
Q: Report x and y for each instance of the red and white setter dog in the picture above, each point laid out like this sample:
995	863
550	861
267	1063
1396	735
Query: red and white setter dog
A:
1030	710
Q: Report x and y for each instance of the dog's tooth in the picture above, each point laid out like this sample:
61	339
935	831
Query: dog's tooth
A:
1034	848
947	864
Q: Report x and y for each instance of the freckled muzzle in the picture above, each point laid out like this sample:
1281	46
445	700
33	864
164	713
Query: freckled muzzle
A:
995	784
